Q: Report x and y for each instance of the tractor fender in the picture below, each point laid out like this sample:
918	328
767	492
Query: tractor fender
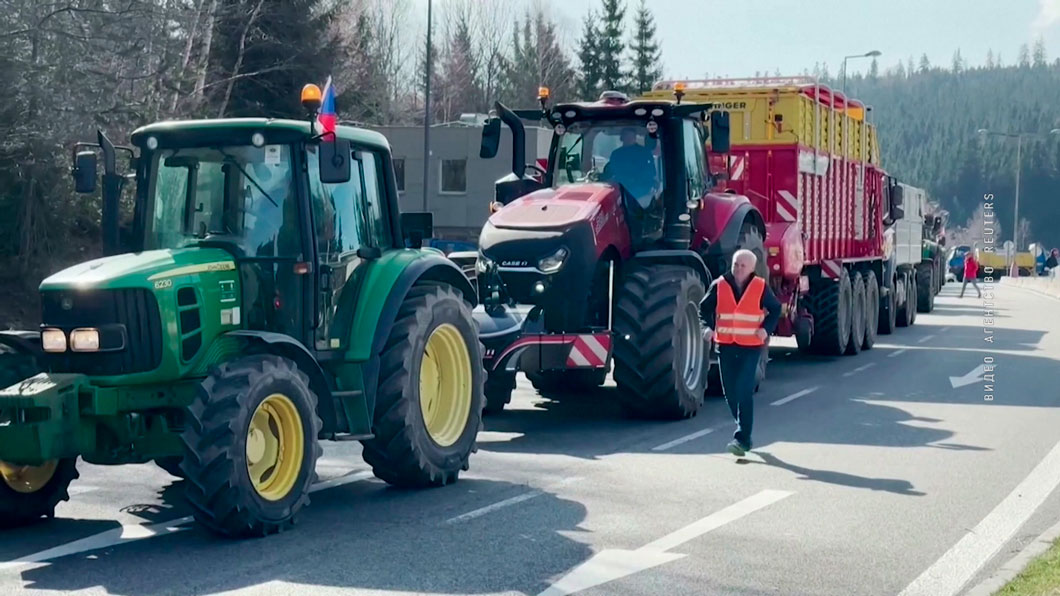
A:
721	220
686	258
292	349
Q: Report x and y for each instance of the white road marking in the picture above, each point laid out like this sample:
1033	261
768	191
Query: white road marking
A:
897	352
76	489
925	338
969	378
949	574
610	565
859	369
133	532
945	329
793	396
684	439
505	503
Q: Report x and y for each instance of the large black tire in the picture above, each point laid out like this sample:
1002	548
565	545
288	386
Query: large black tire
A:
914	294
904	312
659	349
237	404
857	315
403	452
22	503
171	465
498	390
833	306
751	239
925	287
872	310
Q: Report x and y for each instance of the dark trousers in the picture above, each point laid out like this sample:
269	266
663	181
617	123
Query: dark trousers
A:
738	367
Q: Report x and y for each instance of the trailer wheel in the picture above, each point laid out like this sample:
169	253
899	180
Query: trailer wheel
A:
925	285
857	316
498	390
889	311
832	315
429	403
872	309
29	493
913	298
659	347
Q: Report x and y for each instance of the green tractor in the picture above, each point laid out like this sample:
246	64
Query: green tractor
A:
266	295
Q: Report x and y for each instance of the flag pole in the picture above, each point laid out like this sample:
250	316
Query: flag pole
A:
427	114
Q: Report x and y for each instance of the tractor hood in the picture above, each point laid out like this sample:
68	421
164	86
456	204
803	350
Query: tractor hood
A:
144	269
554	208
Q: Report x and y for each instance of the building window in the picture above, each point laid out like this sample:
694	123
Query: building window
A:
399	174
454	176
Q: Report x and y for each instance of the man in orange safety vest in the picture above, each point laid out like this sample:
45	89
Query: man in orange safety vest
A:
740	312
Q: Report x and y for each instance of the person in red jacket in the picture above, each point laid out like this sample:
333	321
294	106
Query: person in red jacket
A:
971	271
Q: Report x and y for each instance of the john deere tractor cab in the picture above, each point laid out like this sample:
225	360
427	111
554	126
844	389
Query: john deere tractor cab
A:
602	259
269	296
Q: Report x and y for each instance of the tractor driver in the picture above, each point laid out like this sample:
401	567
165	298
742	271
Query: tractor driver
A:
633	166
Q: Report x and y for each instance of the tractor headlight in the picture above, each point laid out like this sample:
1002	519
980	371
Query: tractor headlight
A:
84	340
553	262
53	340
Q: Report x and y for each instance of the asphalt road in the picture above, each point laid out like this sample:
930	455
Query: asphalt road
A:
871	475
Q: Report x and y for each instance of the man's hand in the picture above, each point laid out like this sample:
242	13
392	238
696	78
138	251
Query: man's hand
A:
761	334
708	334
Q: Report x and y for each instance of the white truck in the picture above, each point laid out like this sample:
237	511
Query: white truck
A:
909	279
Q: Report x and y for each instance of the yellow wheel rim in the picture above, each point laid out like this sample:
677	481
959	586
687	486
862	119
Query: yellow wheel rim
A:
27	479
445	385
275	445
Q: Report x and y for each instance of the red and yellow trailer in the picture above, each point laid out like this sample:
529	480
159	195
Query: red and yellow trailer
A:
808	159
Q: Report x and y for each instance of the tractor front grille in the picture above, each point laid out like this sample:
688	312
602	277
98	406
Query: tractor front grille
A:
134	310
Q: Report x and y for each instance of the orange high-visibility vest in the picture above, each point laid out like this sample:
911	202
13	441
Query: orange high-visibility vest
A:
737	323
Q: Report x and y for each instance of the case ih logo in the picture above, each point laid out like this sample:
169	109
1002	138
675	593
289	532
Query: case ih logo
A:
514	263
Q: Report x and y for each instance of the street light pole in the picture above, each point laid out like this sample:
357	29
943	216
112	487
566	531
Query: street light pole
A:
1016	215
427	114
871	54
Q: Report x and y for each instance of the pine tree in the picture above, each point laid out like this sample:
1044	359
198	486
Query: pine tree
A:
588	83
1039	53
647	58
874	70
925	64
958	61
990	59
910	70
611	47
1024	58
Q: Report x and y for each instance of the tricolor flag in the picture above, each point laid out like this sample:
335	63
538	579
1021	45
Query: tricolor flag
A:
327	116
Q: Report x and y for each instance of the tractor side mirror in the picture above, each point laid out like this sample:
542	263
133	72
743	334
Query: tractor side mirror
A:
334	161
719	132
85	172
936	226
491	139
416	227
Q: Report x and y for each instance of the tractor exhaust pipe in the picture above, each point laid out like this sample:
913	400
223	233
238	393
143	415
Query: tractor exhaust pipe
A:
112	185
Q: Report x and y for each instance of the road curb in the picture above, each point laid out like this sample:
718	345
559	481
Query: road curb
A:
1016	564
1029	287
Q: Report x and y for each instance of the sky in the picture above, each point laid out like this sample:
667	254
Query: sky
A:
738	37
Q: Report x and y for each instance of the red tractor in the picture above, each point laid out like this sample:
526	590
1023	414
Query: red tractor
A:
600	259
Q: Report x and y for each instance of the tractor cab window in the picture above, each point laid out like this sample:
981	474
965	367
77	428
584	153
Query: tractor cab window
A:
240	194
695	160
616	151
338	211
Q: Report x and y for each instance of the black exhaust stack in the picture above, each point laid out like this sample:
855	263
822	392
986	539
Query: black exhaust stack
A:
112	186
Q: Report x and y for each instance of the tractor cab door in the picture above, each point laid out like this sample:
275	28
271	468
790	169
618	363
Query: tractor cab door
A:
351	228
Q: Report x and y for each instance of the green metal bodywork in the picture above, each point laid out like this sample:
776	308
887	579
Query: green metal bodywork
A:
137	417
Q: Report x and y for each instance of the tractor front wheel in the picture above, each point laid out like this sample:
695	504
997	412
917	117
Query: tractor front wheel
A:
660	355
250	446
429	404
29	493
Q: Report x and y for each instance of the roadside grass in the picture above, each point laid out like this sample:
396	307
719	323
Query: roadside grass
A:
1040	578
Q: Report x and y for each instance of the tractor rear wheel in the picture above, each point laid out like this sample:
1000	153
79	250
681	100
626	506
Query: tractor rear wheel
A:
872	309
857	316
659	349
832	304
250	446
428	408
171	465
29	493
925	287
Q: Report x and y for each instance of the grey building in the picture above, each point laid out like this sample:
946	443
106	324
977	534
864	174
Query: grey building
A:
461	183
